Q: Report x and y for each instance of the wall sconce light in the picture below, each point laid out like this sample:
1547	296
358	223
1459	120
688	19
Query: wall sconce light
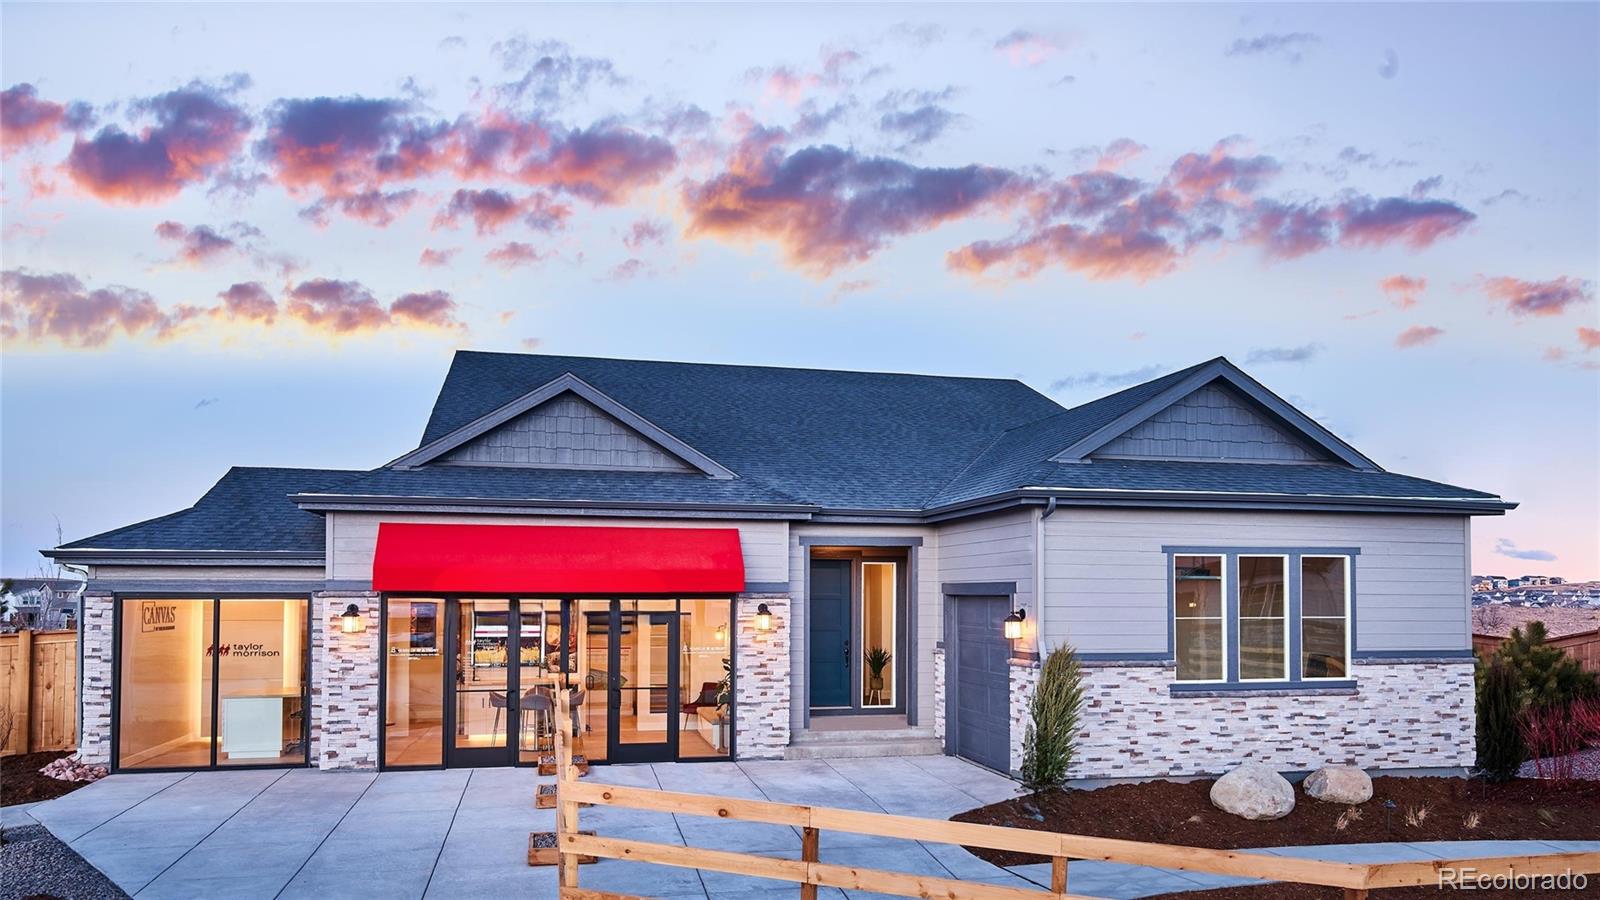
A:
1013	624
722	634
763	618
352	621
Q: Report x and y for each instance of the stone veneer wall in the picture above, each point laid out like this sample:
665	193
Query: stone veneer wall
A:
344	683
938	691
1024	679
99	627
761	679
1402	714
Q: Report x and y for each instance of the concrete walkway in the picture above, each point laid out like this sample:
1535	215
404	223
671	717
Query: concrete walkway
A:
302	833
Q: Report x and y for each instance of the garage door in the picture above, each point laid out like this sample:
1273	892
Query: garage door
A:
983	682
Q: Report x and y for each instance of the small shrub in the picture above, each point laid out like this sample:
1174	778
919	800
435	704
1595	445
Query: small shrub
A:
1500	749
1472	821
1416	815
1551	735
1052	736
1353	814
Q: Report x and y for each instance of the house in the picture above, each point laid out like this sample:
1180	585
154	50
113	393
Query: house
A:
42	603
751	562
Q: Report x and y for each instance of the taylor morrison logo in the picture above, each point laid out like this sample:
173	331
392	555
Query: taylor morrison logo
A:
1468	878
237	650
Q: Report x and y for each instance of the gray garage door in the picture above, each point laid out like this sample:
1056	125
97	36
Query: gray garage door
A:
983	682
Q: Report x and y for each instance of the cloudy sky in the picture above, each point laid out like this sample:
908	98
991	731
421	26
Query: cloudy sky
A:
255	234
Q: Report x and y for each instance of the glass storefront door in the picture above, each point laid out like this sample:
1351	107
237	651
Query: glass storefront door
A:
485	664
643	692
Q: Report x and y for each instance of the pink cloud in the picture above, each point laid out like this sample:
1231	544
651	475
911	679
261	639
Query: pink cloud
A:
248	301
40	307
1588	338
1023	47
1537	298
198	245
1097	253
26	120
338	307
1368	222
514	254
437	258
1118	153
374	207
192	134
490	210
429	309
644	233
1417	336
1403	290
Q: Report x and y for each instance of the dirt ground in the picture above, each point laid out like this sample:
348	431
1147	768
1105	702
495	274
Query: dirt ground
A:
1425	809
20	781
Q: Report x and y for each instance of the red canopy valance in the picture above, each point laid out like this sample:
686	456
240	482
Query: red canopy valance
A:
549	559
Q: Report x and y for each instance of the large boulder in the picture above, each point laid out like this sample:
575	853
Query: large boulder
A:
1339	784
1253	791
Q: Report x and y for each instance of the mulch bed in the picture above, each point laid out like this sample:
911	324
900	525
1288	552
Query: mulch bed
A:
1169	812
20	781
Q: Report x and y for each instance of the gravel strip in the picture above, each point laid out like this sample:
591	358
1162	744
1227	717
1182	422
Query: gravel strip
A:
1585	766
36	864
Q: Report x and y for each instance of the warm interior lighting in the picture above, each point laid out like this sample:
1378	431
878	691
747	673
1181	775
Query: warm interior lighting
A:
722	634
763	618
1013	624
352	622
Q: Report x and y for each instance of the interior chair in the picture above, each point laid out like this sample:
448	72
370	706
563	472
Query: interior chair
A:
708	697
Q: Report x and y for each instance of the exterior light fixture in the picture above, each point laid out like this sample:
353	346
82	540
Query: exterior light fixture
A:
763	618
1013	624
352	622
722	634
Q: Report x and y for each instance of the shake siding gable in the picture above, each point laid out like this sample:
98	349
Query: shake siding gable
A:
1212	423
566	432
1106	573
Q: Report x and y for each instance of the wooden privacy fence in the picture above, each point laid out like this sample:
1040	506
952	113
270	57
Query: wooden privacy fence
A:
39	700
810	872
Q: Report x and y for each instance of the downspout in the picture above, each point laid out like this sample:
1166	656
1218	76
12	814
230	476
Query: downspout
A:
1038	575
77	621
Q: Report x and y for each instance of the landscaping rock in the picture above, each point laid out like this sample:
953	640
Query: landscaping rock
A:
1253	791
1339	784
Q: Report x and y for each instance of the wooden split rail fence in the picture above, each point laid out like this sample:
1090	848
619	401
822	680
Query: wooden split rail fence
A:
1356	879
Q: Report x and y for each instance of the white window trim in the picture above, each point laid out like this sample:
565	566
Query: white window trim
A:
1349	632
1221	618
1239	618
894	625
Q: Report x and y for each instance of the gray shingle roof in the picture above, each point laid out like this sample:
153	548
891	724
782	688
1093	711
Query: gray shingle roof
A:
248	509
795	437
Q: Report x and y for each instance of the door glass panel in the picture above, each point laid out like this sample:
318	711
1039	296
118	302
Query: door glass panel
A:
483	652
165	715
414	708
706	687
591	646
261	682
539	676
877	633
645	692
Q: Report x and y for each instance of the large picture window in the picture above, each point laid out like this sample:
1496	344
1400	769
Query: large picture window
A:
211	682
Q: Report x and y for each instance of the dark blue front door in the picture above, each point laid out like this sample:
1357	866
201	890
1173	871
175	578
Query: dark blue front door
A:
830	632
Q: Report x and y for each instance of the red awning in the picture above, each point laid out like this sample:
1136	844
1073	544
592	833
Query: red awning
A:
548	559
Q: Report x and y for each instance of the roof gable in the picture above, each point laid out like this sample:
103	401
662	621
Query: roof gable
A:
565	423
1287	425
1214	422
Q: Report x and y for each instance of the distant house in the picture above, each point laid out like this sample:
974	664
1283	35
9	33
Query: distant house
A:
43	603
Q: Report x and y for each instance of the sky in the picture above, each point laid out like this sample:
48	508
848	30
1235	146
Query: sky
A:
254	234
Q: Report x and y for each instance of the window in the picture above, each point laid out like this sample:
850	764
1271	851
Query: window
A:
414	700
211	682
1197	593
878	590
1263	618
1324	616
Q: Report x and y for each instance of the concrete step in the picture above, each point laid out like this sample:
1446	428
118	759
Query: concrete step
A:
858	744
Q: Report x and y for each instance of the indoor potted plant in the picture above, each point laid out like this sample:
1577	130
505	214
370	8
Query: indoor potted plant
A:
877	660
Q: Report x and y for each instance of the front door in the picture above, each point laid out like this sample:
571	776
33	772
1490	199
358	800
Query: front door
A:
830	633
483	674
643	696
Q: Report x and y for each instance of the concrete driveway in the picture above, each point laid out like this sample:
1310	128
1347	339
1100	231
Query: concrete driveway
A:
464	833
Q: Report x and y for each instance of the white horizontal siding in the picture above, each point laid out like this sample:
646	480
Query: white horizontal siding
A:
207	575
1106	575
353	537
